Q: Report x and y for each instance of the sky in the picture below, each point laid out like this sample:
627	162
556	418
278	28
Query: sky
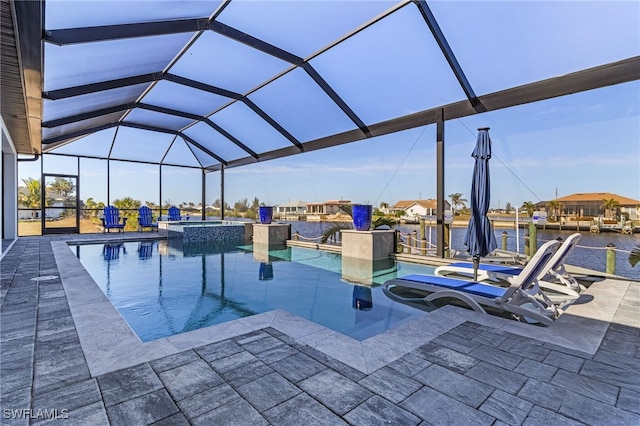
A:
587	142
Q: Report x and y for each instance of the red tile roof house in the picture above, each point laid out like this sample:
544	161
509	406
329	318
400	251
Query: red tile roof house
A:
590	205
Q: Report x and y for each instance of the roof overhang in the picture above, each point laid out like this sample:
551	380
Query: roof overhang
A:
21	83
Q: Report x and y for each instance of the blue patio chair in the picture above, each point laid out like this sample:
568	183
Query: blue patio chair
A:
145	219
111	219
174	214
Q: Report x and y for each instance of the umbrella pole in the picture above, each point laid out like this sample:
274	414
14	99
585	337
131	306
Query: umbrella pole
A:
476	265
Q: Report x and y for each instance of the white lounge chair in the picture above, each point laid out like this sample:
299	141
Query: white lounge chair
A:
561	286
522	299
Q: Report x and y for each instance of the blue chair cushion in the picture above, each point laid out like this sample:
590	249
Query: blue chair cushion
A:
444	282
470	287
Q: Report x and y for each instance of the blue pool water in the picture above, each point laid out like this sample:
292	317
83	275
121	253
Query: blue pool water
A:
163	290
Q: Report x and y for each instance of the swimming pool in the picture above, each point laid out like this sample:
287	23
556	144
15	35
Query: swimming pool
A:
163	289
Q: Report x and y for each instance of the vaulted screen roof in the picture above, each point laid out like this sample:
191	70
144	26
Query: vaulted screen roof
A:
227	83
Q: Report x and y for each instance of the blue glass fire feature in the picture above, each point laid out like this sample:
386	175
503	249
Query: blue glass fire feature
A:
362	214
266	214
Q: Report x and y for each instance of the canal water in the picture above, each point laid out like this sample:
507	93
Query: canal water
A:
589	253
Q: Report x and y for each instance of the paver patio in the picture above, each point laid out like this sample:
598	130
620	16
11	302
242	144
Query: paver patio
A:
478	370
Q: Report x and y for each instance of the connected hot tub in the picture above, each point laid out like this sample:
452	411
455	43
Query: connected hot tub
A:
191	231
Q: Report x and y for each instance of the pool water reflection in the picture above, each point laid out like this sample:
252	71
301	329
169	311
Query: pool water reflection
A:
161	289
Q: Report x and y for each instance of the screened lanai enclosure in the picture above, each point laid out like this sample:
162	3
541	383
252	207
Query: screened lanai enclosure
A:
99	97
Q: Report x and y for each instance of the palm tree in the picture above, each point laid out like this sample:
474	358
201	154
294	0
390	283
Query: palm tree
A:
634	256
91	205
609	206
556	207
457	200
62	187
129	209
31	198
529	207
335	228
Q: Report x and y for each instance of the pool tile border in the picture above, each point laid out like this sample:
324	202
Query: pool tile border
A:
109	343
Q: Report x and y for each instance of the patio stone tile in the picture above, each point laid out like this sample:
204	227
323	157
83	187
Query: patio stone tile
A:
613	335
568	351
51	294
507	408
466	331
237	413
55	353
456	343
142	410
536	370
251	336
16	399
55	325
177	419
617	360
378	411
62	340
586	386
128	383
232	362
629	400
619	343
335	391
302	409
92	414
23	347
208	400
564	361
624	329
312	352
524	347
261	345
496	357
542	416
268	391
492	375
189	379
70	397
19	331
543	394
276	353
16	371
590	411
409	365
438	409
172	361
390	384
59	377
297	367
489	338
346	370
218	350
623	377
455	385
285	338
53	311
247	373
446	357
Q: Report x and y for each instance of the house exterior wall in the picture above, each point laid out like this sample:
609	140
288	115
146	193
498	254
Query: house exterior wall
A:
9	175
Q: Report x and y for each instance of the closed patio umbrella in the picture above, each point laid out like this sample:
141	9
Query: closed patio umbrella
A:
479	238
